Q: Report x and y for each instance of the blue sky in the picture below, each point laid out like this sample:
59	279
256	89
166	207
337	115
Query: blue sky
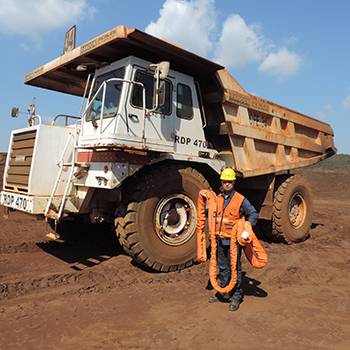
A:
294	53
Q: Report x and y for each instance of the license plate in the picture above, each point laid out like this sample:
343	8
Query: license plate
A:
17	201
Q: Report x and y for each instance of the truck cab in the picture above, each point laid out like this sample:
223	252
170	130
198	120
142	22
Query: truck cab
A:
173	124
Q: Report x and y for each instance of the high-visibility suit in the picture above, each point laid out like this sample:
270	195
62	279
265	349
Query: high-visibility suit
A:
229	216
229	210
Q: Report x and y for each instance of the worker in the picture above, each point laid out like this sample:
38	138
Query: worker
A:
231	206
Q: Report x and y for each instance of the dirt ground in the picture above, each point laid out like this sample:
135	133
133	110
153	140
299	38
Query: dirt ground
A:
55	295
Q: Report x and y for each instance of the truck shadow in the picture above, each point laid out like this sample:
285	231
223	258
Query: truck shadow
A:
263	231
82	253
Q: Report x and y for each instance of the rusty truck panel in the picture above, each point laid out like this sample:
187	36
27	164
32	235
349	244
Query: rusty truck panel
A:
61	75
266	137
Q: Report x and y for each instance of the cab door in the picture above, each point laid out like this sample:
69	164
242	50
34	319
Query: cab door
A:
109	99
158	125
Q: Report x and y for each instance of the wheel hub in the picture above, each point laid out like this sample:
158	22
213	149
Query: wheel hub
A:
174	219
297	210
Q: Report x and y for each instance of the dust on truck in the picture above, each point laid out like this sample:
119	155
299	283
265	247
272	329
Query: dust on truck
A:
148	138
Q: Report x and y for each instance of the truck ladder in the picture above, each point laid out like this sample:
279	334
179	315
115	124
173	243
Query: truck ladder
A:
59	179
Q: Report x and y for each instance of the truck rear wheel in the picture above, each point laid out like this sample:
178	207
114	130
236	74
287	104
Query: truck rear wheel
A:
157	224
292	210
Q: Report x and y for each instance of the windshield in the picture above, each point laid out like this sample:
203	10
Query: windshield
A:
113	91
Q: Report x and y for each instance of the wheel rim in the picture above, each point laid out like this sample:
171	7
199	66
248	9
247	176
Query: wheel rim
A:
297	210
174	219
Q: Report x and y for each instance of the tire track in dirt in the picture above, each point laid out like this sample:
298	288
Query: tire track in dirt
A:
90	268
25	247
86	281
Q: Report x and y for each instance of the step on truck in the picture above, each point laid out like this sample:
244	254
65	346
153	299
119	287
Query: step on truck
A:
155	126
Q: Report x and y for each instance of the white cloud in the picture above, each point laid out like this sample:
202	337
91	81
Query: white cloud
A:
288	41
283	63
240	43
188	24
24	46
324	113
47	120
192	24
346	103
328	109
34	17
321	115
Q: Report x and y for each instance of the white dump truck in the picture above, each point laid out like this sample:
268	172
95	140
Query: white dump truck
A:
156	125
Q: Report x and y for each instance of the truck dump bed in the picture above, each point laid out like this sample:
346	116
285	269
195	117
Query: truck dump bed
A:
263	136
266	137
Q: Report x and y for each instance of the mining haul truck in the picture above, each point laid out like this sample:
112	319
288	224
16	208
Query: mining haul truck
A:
156	125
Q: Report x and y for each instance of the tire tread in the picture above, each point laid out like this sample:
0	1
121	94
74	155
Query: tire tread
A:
125	222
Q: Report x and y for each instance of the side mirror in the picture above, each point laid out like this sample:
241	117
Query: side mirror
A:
161	72
163	69
14	112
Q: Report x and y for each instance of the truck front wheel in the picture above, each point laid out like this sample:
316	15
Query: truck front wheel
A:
156	224
292	210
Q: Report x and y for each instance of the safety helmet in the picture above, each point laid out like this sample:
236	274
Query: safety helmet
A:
228	174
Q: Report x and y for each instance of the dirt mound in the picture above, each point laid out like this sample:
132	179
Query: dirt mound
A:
59	295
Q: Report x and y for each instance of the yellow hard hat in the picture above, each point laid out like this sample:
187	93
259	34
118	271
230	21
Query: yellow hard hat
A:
228	174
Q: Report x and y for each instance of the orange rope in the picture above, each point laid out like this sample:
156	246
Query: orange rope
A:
213	263
253	250
201	241
210	196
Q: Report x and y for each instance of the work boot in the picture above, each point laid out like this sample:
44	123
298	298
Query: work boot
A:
234	305
213	299
219	297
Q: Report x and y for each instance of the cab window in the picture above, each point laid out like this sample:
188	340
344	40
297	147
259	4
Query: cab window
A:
184	105
113	92
164	104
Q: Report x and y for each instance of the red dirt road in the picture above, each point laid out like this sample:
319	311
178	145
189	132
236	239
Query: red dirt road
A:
59	296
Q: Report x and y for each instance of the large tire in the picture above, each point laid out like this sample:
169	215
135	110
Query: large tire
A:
156	221
292	210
